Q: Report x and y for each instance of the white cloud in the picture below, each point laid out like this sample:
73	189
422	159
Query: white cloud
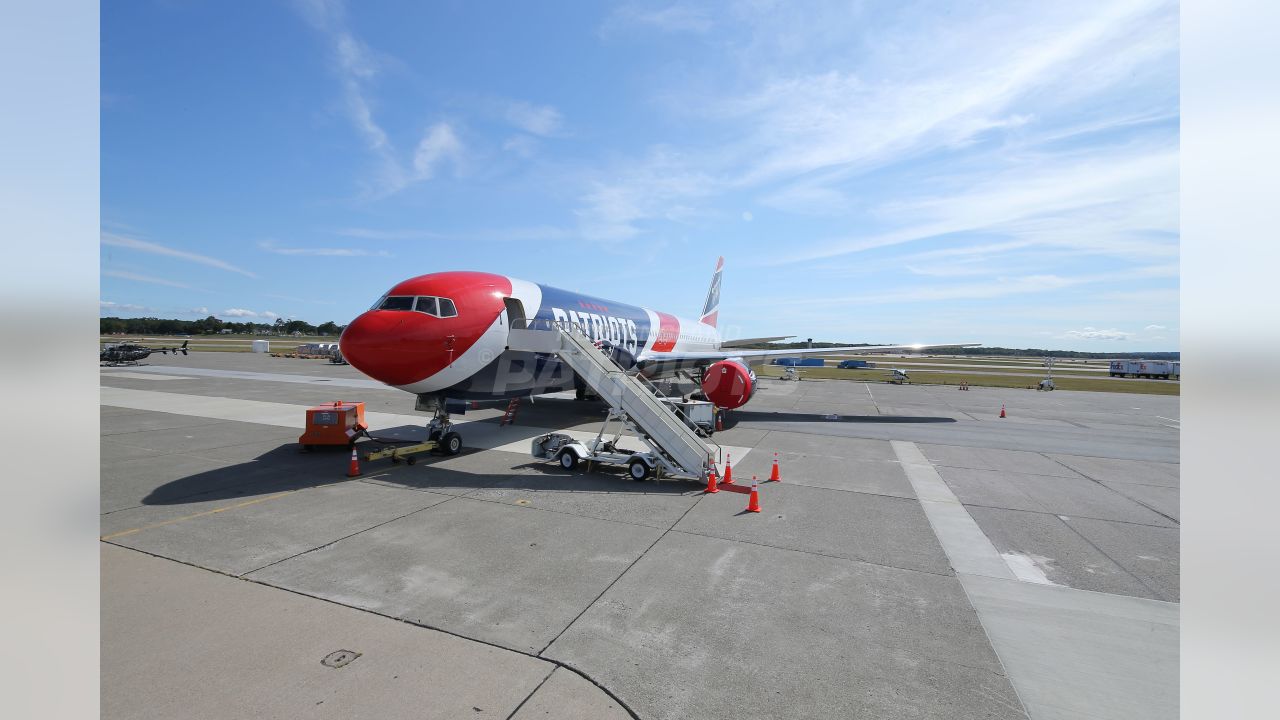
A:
541	120
271	247
124	241
238	313
1094	334
199	311
270	315
522	145
747	216
678	17
439	143
107	305
356	65
1155	327
124	275
377	234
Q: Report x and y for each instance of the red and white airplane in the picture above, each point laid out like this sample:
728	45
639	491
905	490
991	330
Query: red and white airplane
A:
444	335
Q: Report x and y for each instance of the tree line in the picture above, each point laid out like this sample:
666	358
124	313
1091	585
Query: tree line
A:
996	351
212	326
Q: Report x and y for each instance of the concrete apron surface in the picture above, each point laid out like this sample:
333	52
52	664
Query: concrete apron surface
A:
1070	653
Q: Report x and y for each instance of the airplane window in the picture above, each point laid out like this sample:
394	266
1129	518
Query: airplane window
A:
397	302
447	309
427	305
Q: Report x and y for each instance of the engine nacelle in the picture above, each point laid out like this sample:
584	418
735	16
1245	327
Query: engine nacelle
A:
729	384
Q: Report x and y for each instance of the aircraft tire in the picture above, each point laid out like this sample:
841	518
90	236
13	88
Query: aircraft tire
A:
452	443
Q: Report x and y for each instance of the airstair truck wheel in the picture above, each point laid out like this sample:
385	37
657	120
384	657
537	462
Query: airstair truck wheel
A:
568	460
638	469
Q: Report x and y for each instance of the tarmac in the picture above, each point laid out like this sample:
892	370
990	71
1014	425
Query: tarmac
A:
921	558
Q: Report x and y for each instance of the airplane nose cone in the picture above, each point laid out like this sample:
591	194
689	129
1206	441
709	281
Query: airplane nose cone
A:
394	347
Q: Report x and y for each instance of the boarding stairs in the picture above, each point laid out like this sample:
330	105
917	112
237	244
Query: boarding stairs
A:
680	448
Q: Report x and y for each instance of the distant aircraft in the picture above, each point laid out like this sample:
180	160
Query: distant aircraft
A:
131	353
444	336
898	377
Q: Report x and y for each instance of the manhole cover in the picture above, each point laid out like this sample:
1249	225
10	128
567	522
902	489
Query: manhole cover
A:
338	658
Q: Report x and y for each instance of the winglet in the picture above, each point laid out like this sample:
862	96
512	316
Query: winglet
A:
711	309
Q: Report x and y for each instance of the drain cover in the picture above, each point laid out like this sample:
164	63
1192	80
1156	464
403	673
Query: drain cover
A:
338	658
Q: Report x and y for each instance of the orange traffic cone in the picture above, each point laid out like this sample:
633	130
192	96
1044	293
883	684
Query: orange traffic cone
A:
353	470
753	504
774	475
1001	409
711	481
728	470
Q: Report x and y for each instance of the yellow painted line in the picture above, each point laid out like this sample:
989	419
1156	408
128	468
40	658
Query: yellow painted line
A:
122	533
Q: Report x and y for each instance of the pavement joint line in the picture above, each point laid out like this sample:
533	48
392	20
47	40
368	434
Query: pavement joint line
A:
171	521
626	570
358	532
411	623
1156	594
531	694
815	553
1074	517
1117	492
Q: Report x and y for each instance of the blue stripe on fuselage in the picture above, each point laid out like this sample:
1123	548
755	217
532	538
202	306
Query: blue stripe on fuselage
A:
624	326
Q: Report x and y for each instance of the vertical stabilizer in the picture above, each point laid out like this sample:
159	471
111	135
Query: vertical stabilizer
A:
711	309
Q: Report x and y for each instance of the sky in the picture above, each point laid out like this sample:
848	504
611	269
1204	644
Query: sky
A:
1004	173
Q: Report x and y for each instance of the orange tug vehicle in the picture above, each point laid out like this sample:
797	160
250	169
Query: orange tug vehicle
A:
335	423
342	423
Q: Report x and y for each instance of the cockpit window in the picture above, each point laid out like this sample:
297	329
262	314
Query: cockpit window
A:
447	309
396	302
426	305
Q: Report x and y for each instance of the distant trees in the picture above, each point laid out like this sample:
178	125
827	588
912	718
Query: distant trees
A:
211	326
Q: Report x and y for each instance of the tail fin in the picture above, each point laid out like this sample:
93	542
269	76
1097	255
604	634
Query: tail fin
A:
711	309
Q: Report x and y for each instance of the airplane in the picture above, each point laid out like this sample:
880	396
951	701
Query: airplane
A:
443	337
898	377
131	353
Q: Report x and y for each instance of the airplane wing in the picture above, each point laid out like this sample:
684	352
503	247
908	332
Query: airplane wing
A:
752	341
759	357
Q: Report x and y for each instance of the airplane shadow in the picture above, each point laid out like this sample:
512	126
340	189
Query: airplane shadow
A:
287	468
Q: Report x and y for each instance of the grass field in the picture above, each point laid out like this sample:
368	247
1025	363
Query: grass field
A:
923	377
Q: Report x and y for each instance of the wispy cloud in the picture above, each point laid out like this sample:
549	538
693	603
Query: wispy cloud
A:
1155	327
541	120
1089	333
982	93
124	275
271	247
438	145
108	306
243	313
356	66
380	234
677	17
132	243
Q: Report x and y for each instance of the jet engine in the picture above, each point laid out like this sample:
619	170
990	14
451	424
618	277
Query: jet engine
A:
729	383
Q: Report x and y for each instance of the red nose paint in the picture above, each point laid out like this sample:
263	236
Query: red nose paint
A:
402	347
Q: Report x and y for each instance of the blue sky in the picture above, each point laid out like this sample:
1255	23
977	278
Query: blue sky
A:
873	172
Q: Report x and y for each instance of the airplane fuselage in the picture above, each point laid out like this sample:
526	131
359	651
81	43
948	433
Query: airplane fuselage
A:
413	340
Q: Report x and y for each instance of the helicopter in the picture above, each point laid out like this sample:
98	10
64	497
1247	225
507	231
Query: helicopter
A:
131	353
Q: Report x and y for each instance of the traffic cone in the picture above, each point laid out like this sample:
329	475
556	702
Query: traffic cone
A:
353	470
1001	409
711	481
774	475
728	470
753	505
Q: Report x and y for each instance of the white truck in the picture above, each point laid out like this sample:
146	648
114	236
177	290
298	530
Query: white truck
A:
1162	369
